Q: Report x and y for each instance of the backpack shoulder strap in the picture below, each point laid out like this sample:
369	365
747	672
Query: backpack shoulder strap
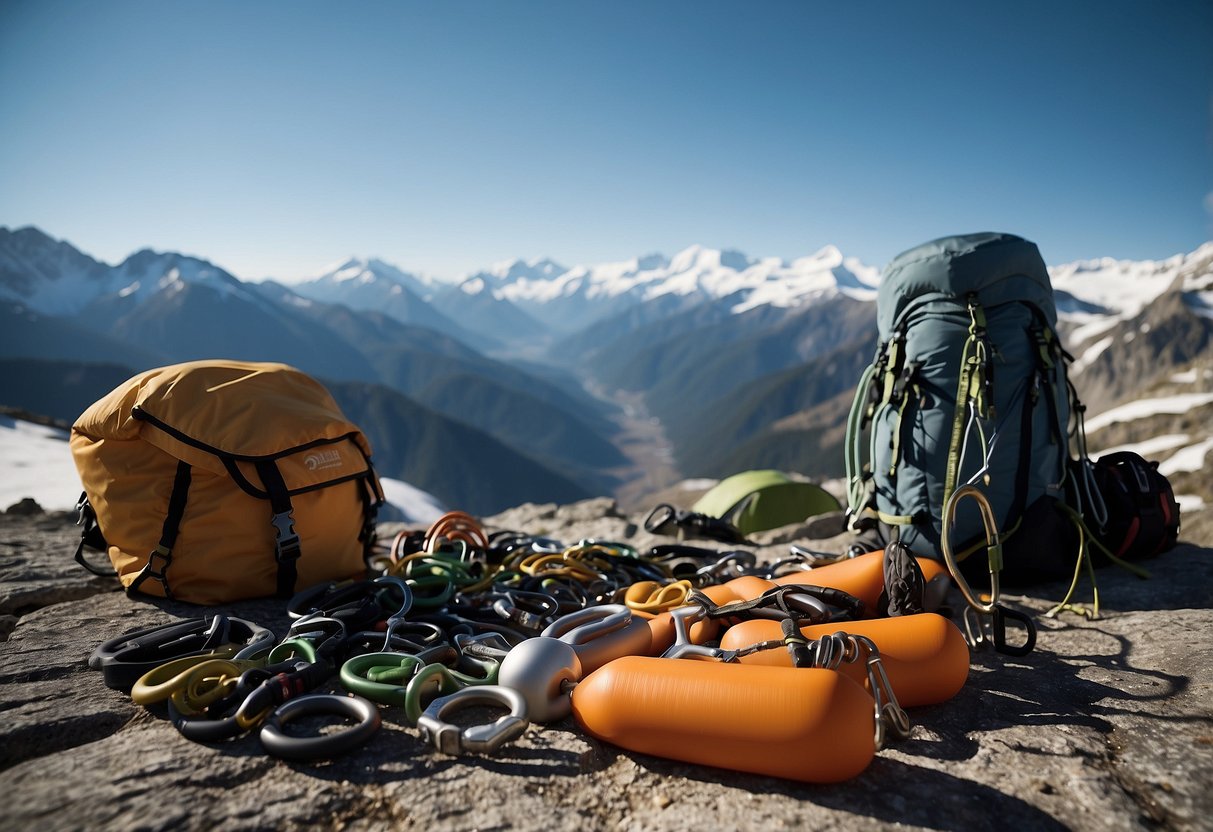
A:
91	538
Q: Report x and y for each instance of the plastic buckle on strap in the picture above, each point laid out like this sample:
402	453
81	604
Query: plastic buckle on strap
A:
165	555
84	511
286	541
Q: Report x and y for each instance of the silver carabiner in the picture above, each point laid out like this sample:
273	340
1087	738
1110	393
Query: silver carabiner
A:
890	717
479	739
975	629
397	618
683	647
581	626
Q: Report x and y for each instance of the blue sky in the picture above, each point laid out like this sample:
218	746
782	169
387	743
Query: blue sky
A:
275	138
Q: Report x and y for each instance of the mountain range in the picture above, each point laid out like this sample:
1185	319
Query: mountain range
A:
504	387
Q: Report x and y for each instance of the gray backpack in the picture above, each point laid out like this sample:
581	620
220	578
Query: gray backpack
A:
968	386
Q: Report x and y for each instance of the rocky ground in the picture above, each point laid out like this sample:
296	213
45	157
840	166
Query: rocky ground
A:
1106	725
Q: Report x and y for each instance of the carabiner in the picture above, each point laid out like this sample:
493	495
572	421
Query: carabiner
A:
683	647
890	717
325	746
384	677
581	626
480	739
124	659
396	619
529	610
654	598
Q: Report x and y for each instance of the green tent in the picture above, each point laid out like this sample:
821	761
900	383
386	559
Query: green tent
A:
754	501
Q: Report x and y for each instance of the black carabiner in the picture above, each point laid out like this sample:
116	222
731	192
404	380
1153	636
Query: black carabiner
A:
662	516
999	627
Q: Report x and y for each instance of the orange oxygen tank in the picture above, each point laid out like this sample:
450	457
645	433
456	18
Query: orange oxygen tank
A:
804	724
925	655
861	576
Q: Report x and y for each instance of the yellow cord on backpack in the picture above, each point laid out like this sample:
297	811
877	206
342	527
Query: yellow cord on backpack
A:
1085	539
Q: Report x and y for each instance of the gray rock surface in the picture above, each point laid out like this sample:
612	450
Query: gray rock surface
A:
1107	725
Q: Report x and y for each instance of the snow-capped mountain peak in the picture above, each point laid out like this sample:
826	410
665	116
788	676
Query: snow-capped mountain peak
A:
1096	294
354	268
147	272
363	271
513	271
698	258
48	275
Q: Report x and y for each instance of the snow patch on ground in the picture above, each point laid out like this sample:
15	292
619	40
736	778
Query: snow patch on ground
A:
1143	408
1090	354
1190	502
37	462
417	506
1191	458
1150	448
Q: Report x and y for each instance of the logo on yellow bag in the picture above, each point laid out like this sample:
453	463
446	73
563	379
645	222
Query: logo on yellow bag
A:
321	460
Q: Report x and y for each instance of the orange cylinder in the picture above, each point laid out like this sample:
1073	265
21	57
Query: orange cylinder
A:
744	588
862	577
925	655
800	723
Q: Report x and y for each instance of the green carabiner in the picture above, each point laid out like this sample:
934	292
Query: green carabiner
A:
300	648
381	677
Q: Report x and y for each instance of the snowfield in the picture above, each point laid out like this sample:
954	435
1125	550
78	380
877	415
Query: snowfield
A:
37	462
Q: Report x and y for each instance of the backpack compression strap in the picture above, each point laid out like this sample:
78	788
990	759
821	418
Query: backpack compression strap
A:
168	533
286	541
889	380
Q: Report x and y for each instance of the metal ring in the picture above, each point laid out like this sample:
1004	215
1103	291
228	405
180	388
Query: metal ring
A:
484	739
323	746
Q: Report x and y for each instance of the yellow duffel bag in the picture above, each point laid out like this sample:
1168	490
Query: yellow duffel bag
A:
213	481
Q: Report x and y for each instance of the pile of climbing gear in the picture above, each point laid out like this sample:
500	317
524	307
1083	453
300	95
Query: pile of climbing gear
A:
692	653
214	481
